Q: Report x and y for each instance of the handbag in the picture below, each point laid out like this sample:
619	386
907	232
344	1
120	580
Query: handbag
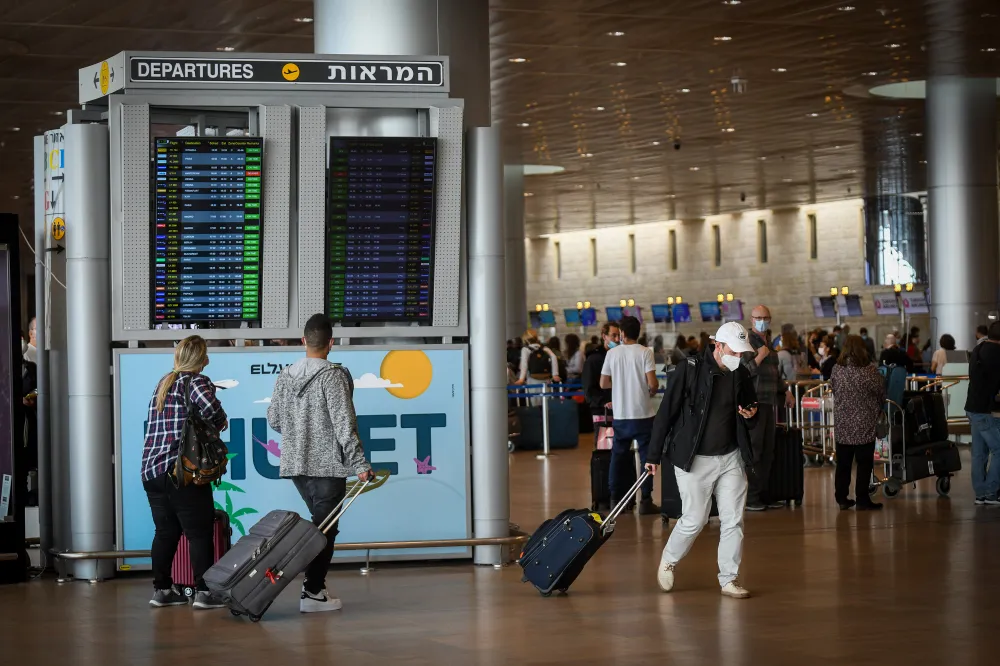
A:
201	459
605	432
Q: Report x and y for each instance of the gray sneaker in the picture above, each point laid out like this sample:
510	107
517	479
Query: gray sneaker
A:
171	597
204	600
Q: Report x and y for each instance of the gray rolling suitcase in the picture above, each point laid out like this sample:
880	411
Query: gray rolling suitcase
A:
278	548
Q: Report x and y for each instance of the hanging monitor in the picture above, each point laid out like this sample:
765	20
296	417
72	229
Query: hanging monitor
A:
207	229
380	229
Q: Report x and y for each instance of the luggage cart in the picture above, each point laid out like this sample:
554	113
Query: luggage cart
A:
816	422
895	465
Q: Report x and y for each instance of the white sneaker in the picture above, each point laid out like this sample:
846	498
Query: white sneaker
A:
665	576
733	589
318	603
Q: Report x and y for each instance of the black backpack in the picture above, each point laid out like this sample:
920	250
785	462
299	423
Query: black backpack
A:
202	456
539	363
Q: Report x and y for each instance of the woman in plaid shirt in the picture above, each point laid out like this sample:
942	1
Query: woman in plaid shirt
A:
189	509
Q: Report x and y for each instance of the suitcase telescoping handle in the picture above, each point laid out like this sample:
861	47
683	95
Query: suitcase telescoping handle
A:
341	508
615	512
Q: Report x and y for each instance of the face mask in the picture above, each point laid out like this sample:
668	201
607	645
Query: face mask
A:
822	351
612	344
760	325
731	362
864	336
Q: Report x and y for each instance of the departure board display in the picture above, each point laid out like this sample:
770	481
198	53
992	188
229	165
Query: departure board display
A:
380	229
207	229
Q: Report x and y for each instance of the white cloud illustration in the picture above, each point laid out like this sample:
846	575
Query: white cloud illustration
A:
226	383
370	381
265	401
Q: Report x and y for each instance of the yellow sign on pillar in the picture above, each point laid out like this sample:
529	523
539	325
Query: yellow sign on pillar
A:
105	77
58	228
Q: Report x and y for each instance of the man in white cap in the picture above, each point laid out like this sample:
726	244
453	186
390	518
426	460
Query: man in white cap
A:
704	422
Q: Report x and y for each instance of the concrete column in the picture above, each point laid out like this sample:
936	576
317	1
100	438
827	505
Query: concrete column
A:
515	266
88	307
45	528
490	473
962	179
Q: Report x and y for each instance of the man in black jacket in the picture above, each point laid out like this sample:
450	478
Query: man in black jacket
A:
983	411
703	426
598	399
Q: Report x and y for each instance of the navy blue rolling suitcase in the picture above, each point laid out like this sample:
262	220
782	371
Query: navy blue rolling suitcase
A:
561	547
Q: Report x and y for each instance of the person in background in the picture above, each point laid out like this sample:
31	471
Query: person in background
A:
556	346
983	410
790	358
940	357
893	355
704	342
859	393
693	346
913	348
982	334
703	428
536	371
574	357
838	335
927	355
312	408
829	352
896	334
771	391
630	373
680	351
176	509
599	399
842	337
31	352
869	343
659	356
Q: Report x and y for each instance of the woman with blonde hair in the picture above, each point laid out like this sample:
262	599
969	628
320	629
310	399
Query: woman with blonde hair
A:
180	508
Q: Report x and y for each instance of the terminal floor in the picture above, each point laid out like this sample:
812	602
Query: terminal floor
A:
915	584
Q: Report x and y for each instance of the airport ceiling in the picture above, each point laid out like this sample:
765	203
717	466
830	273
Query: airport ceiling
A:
657	109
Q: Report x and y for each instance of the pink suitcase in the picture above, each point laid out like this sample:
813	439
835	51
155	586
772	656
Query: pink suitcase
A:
182	573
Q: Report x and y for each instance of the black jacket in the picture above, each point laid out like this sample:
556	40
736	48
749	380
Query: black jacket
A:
680	422
592	391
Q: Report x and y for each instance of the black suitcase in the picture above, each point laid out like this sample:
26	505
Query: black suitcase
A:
564	427
600	477
937	459
926	419
787	479
561	547
262	564
670	494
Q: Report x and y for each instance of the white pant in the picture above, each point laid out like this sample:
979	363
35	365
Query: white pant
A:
724	477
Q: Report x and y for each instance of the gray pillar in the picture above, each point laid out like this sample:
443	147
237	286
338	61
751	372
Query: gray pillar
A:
515	267
490	472
456	28
962	179
88	307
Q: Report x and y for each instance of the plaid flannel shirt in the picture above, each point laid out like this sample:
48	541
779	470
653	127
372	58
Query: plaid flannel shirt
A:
163	429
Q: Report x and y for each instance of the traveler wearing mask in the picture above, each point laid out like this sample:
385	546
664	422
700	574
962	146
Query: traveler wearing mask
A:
704	424
982	333
764	368
599	399
869	343
893	355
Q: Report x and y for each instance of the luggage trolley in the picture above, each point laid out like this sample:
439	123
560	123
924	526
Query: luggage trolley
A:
902	468
816	421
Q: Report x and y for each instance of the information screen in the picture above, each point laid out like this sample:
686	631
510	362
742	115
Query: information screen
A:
380	229
662	314
207	229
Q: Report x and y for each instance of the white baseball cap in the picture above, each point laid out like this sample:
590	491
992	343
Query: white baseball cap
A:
734	335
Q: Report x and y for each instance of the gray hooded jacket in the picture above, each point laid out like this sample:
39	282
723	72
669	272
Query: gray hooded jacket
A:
313	409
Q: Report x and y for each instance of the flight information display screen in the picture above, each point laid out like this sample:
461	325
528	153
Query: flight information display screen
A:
380	229
206	229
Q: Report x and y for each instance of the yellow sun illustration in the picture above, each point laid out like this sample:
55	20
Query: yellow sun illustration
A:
412	369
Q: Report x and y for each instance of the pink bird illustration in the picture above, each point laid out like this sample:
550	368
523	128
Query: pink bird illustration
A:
271	446
424	466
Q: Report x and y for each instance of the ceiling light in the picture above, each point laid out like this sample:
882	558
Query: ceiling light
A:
694	168
786	180
517	60
836	147
989	49
15	129
619	64
542	169
598	108
894	45
524	124
762	158
635	177
684	90
779	70
529	194
616	33
918	134
303	19
15	196
923	161
732	3
654	143
846	8
724	38
227	49
813	115
587	155
56	113
729	129
671	196
870	74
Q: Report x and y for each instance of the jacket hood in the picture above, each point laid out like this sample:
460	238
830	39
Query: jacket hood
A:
303	370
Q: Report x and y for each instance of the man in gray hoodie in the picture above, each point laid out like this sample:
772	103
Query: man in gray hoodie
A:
312	407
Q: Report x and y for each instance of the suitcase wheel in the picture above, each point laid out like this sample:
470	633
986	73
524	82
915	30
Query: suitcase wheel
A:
943	485
188	591
234	613
545	594
255	618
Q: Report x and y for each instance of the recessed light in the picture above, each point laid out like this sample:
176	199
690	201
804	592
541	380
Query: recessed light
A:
56	113
779	70
303	19
227	49
616	33
894	45
654	143
813	115
917	134
636	177
15	196
850	171
517	60
619	64
923	161
723	38
524	124
694	168
15	129
870	74
846	8
728	129
684	90
671	196
587	155
598	108
989	49
786	180
762	158
732	3
529	194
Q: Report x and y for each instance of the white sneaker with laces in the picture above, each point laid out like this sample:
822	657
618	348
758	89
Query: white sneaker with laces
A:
665	576
318	603
732	589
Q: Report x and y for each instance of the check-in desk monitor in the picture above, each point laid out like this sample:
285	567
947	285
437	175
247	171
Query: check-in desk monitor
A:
206	253
380	229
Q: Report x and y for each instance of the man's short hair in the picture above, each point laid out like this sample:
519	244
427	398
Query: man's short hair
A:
863	331
983	330
606	329
318	332
994	333
630	327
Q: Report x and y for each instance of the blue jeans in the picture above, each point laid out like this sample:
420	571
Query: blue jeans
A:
627	431
985	444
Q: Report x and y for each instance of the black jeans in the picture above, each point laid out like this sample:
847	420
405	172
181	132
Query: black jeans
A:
864	454
188	509
321	495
